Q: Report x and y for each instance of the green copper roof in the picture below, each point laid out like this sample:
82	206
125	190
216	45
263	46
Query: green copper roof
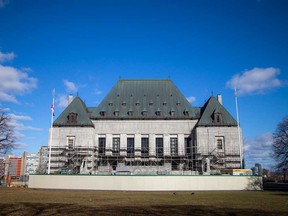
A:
144	99
79	113
209	111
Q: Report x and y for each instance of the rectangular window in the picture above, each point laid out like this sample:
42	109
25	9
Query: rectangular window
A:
116	146
130	147
102	145
71	142
220	143
145	146
188	146
174	146
159	147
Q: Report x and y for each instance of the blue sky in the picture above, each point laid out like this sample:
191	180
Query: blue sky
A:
203	46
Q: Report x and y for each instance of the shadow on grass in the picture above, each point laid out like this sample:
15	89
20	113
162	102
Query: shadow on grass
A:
70	209
282	194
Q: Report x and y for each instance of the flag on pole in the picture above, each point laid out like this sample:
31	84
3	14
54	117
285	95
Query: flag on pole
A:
51	134
52	109
52	106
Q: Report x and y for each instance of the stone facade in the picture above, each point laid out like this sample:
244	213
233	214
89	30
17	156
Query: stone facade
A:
108	139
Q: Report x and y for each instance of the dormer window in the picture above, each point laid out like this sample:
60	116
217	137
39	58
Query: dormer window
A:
158	113
116	113
144	112
110	104
102	113
178	103
72	118
151	103
186	113
172	113
137	103
164	103
130	113
124	103
217	117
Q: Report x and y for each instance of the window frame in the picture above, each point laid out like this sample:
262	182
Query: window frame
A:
70	142
116	145
145	146
220	143
174	146
101	145
130	146
159	146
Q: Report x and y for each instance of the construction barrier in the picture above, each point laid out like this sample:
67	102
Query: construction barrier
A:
145	183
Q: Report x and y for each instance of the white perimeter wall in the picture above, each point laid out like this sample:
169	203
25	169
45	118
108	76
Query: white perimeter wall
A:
142	183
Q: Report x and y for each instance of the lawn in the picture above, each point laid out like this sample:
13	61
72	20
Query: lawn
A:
24	201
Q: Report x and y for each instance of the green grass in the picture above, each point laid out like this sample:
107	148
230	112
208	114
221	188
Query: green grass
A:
23	201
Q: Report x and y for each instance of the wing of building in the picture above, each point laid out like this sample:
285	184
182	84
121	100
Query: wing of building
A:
145	127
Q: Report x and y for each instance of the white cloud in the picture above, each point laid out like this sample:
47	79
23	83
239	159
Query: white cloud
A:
70	86
14	82
6	56
4	109
3	3
20	126
20	117
97	91
259	150
256	81
191	99
62	101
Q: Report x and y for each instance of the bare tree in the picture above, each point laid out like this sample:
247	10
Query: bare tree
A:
7	136
280	144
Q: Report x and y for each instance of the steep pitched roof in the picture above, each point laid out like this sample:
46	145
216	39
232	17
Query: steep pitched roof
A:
77	107
144	99
211	107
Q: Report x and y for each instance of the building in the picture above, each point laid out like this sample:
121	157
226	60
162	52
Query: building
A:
43	159
13	167
145	127
257	169
30	163
2	167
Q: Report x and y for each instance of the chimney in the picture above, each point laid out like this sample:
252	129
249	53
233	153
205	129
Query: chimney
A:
70	98
219	98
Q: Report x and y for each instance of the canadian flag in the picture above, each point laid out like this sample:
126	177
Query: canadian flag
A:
52	109
52	106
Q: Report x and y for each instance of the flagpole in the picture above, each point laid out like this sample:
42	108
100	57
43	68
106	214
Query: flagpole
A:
238	127
51	134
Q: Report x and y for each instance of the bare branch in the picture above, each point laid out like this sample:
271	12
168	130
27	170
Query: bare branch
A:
280	144
7	136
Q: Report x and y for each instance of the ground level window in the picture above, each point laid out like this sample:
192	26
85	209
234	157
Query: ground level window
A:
159	147
174	146
188	146
144	146
116	145
102	145
130	146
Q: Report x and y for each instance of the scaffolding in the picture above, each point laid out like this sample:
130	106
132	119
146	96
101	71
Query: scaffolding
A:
89	160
